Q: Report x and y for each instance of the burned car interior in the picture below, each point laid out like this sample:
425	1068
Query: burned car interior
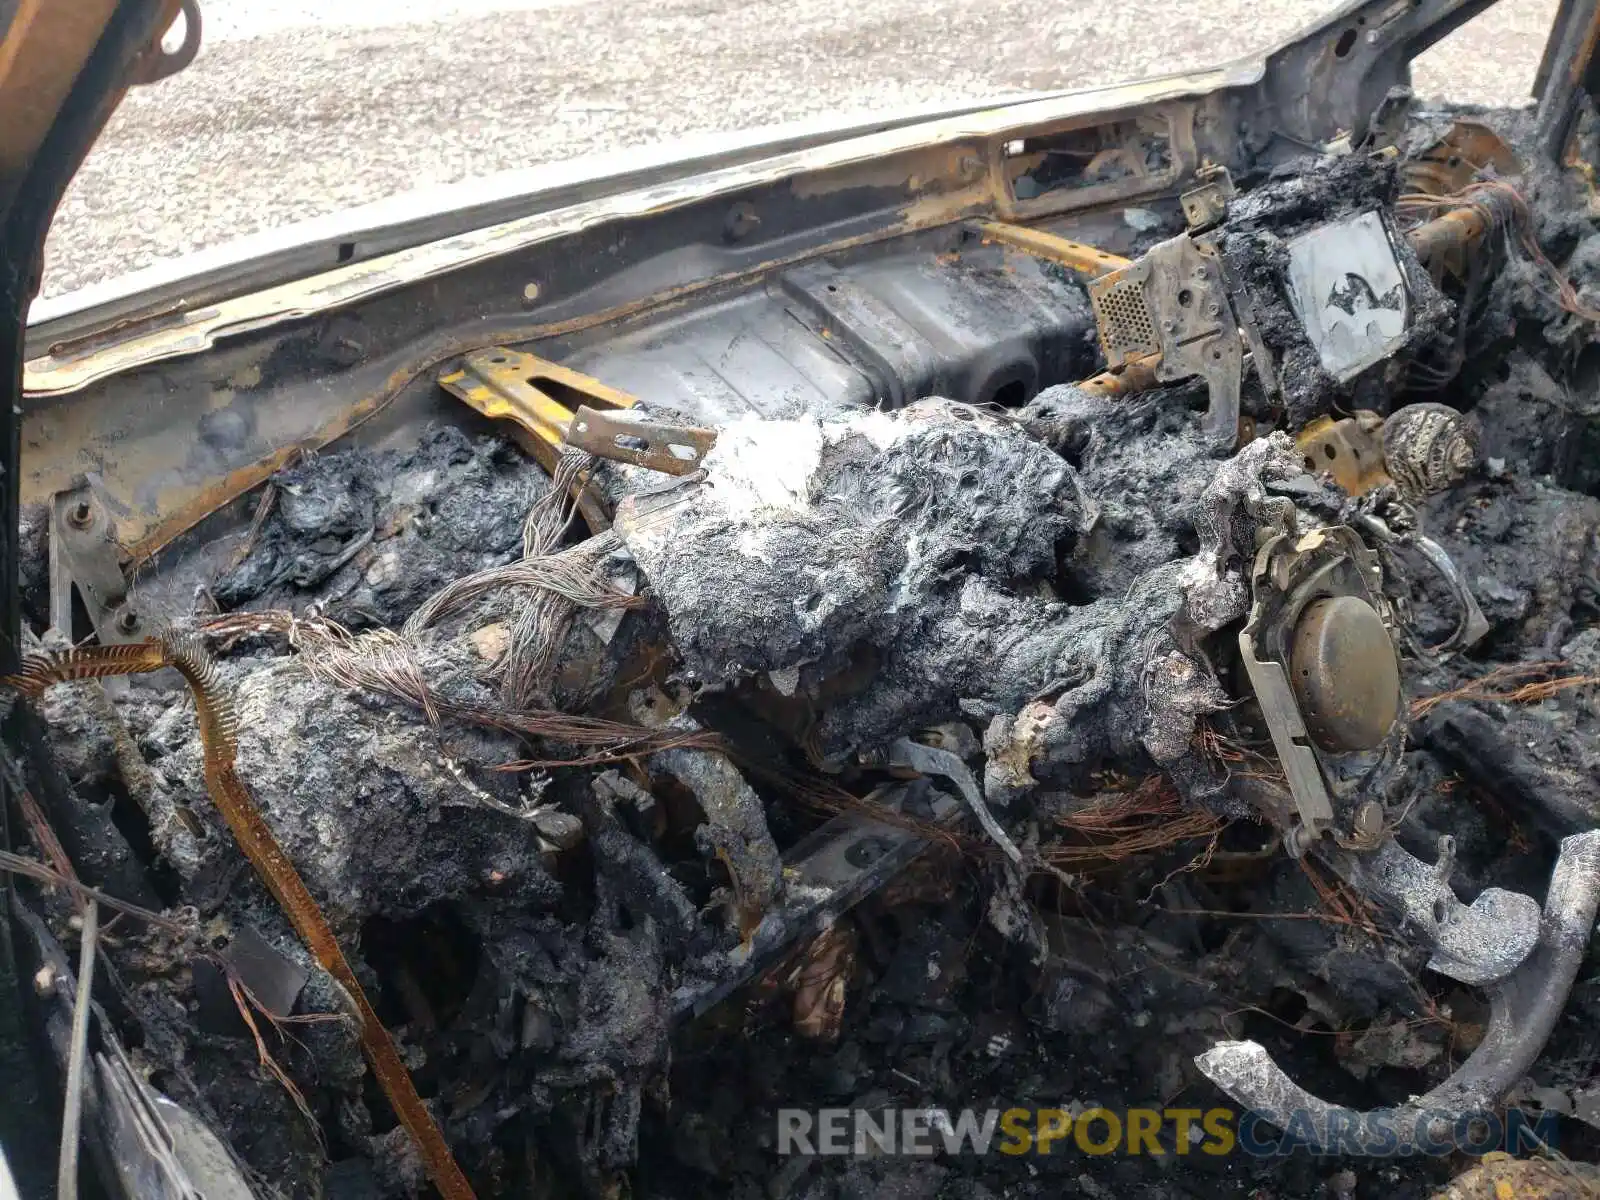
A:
1096	597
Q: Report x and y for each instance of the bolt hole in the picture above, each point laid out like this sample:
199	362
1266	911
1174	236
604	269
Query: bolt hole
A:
1330	453
833	287
1345	44
1185	297
1311	463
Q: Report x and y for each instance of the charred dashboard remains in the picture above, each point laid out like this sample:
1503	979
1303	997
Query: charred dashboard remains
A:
977	666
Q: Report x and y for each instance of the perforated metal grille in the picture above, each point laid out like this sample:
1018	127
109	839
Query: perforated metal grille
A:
1126	328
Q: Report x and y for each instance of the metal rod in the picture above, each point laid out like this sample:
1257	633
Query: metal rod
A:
72	1116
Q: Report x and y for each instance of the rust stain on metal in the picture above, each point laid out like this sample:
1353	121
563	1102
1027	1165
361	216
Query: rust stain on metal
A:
1075	256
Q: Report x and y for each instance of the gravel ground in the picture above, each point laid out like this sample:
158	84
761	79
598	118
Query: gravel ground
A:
295	109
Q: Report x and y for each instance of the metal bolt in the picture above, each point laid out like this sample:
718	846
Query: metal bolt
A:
1298	840
128	620
80	514
867	851
1213	309
740	222
1368	823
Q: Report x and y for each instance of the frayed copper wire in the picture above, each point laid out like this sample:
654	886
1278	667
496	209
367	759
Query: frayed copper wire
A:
1517	683
1503	209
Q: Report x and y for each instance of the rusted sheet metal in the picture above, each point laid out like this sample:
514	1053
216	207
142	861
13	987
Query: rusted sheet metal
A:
1351	450
1075	256
937	197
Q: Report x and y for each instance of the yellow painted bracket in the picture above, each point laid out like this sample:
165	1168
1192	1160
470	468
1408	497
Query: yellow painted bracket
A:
536	395
538	399
1075	256
1350	450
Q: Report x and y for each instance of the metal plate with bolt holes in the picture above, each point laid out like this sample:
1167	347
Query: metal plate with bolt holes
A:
1348	292
630	438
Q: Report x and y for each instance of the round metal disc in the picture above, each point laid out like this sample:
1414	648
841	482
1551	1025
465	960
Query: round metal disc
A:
1345	674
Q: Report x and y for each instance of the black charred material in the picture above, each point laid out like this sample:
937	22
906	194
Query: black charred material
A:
371	534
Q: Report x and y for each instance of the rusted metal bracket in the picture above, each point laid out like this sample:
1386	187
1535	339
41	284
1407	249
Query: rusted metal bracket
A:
537	396
1173	302
642	441
84	554
1206	204
1075	256
1349	449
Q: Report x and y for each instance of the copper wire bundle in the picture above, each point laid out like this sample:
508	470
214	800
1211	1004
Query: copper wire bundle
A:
1503	210
1517	683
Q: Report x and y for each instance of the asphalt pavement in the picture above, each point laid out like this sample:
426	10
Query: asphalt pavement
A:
295	109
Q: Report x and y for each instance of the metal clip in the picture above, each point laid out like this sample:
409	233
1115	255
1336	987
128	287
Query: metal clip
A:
1207	204
84	554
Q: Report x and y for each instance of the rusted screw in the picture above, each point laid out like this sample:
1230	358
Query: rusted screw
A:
128	620
80	514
